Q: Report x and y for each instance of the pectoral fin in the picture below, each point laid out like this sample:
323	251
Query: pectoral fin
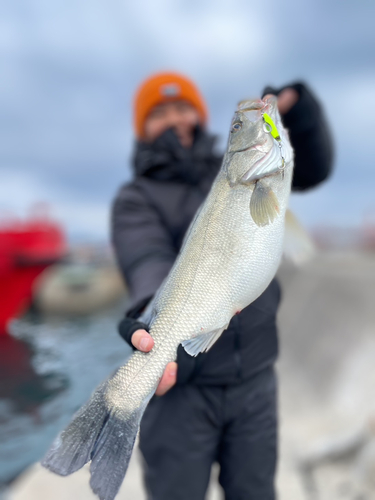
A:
264	206
203	342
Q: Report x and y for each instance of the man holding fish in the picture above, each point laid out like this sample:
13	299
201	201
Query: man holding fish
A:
199	240
220	405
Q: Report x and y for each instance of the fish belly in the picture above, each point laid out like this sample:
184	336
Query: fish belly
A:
226	263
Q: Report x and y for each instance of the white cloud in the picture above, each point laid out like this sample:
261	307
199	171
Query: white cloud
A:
200	37
70	69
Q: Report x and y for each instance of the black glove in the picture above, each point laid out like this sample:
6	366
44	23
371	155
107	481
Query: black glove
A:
128	326
310	137
305	113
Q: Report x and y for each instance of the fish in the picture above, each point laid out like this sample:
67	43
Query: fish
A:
299	247
230	254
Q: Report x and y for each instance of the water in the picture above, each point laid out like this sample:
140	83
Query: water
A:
48	369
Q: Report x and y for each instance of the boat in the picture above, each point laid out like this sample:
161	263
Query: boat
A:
27	248
72	289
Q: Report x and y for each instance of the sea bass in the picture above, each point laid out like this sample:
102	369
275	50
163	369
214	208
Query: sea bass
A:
230	255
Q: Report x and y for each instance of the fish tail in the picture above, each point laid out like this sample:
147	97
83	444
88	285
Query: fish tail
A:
111	456
101	434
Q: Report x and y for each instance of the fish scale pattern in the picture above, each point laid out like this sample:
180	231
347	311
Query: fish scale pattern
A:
226	263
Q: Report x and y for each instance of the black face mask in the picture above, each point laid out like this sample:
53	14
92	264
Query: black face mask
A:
166	159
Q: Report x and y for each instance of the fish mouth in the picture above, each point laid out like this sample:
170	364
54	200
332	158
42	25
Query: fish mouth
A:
267	102
254	105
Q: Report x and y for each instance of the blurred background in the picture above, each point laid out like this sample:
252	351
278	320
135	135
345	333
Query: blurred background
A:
68	74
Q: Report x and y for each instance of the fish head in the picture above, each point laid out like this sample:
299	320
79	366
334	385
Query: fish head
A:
258	144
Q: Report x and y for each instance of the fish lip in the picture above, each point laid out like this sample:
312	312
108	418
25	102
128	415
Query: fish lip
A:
256	105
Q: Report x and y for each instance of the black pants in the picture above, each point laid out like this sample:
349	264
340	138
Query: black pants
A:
185	431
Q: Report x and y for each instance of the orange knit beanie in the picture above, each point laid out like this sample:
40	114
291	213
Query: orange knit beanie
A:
165	87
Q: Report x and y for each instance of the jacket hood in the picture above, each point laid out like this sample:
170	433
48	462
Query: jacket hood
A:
166	160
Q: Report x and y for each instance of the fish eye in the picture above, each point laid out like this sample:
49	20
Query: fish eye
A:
236	126
267	127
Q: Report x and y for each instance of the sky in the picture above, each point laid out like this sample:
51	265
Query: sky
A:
69	70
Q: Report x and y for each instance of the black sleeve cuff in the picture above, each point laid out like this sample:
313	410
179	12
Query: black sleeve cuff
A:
128	326
136	310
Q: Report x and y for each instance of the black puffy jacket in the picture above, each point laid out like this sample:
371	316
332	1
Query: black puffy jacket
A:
152	213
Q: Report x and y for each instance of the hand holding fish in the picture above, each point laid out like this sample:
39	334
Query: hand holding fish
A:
143	341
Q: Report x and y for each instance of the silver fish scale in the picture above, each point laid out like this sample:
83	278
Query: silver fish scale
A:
225	264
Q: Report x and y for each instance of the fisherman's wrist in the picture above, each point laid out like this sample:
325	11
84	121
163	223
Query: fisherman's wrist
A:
128	326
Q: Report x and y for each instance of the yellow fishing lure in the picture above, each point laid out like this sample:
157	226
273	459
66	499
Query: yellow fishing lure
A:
273	130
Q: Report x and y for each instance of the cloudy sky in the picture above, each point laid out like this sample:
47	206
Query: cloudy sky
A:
69	69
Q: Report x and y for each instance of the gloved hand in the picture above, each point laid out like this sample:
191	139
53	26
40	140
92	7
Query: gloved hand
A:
309	133
135	334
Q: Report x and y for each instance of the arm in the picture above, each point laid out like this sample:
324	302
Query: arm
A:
145	254
310	137
143	246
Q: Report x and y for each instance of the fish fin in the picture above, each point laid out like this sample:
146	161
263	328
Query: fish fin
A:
72	448
299	247
149	314
264	206
112	452
100	434
202	342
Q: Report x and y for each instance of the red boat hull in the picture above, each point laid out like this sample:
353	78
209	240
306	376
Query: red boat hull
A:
26	249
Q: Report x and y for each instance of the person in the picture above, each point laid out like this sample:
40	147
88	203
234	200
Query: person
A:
221	405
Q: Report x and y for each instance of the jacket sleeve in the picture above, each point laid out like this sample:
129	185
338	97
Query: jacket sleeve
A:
143	246
310	137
